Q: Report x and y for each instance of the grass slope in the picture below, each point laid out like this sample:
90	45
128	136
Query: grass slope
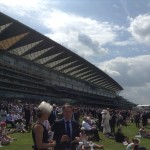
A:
24	140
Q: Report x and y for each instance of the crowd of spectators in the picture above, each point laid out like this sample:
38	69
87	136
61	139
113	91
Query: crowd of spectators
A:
20	117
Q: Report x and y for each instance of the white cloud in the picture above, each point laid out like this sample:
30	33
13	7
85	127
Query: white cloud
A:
125	43
140	28
85	36
21	7
132	74
64	27
139	95
68	29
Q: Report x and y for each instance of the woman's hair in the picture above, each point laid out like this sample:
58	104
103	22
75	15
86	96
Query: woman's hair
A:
43	108
136	140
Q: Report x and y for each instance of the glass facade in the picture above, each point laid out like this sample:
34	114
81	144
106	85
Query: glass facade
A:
17	75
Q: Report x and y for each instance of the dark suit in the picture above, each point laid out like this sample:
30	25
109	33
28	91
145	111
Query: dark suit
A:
76	116
27	117
52	117
59	130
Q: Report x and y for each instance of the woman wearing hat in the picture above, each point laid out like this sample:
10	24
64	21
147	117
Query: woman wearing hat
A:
39	131
105	122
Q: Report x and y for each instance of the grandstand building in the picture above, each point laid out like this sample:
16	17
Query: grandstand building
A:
34	67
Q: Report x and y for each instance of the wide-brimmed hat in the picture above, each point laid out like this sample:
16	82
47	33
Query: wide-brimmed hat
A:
104	111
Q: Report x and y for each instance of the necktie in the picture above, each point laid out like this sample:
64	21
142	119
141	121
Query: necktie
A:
68	129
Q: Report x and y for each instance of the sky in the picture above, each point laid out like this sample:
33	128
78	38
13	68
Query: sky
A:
114	35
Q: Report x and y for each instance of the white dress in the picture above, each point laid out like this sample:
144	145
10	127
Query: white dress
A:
106	125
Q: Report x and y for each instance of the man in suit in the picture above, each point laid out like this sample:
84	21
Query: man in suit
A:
27	115
66	131
76	114
53	115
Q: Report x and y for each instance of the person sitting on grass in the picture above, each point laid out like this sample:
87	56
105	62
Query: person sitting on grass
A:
89	128
84	143
134	145
144	133
120	137
20	127
9	120
4	138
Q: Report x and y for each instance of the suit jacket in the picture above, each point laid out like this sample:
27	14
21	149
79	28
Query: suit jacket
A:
52	118
59	130
76	116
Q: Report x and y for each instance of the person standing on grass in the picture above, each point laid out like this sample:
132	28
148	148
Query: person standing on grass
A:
137	120
144	119
27	115
66	131
39	131
53	115
112	121
105	122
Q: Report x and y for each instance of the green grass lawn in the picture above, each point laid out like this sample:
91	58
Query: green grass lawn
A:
24	140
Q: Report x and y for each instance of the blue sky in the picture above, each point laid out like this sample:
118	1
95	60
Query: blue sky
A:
114	35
